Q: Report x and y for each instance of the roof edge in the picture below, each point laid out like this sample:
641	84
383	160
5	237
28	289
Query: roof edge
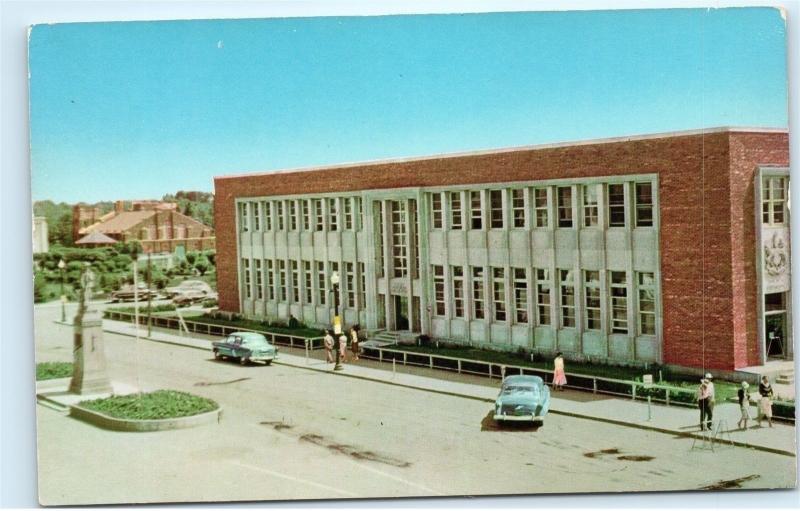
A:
533	147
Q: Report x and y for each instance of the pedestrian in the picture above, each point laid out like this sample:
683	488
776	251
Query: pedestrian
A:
343	347
328	346
712	399
559	377
702	403
765	403
744	405
354	341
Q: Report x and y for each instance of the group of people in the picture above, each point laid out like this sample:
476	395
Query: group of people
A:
330	344
706	400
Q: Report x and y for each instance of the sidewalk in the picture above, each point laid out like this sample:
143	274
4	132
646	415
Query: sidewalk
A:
674	420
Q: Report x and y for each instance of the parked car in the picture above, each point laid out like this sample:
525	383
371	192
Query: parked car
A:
522	398
128	292
189	297
246	347
188	285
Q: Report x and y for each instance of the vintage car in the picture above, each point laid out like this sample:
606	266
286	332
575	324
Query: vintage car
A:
129	293
522	398
189	297
189	285
246	347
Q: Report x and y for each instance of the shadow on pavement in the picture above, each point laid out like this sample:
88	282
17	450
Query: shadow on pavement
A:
489	424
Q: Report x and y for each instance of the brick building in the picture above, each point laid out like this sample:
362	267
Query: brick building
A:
157	225
669	248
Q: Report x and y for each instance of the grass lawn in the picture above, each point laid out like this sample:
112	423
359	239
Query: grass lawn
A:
53	370
161	404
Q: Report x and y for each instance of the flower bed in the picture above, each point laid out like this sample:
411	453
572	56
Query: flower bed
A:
161	404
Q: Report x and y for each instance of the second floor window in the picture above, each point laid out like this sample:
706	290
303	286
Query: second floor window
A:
244	223
644	205
436	210
518	207
541	207
496	208
256	216
616	205
476	210
567	299
455	211
333	215
773	200
320	218
590	208
565	206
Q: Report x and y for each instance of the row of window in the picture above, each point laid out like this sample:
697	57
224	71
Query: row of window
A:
301	214
773	199
450	297
166	232
466	209
275	280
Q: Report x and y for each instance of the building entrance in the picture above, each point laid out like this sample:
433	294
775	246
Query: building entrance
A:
401	313
775	325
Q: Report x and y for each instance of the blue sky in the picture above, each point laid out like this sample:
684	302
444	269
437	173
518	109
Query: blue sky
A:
140	109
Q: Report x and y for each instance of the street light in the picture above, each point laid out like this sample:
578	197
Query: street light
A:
337	322
61	266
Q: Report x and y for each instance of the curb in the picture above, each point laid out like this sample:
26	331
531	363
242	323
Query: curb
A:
616	422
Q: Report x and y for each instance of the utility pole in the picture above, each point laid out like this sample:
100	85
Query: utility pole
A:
149	295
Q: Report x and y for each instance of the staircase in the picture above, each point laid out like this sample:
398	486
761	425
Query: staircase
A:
384	337
785	377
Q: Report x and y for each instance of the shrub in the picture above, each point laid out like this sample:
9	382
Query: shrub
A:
191	257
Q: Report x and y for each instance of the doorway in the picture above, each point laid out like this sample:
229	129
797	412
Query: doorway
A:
401	313
775	325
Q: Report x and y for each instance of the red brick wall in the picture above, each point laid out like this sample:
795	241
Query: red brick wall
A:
707	274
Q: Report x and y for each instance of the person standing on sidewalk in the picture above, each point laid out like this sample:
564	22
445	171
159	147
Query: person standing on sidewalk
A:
765	404
744	405
702	403
354	341
712	398
343	348
328	346
559	376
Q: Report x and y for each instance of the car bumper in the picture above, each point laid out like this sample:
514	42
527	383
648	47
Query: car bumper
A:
262	358
519	418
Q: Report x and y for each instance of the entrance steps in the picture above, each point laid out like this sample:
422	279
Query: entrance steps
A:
785	378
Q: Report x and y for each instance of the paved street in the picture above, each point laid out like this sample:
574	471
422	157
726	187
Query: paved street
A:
292	433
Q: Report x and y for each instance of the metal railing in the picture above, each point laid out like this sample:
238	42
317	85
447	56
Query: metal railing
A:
293	341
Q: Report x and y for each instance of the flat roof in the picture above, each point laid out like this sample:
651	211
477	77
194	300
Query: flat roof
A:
595	141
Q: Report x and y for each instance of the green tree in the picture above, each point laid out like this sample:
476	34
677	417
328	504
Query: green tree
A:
38	287
202	266
191	257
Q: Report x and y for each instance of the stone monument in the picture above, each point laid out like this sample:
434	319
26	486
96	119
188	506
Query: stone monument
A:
89	371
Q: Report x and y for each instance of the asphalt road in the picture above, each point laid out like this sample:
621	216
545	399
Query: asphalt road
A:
290	433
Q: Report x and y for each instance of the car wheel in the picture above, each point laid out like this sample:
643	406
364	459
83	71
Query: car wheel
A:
217	355
244	361
267	362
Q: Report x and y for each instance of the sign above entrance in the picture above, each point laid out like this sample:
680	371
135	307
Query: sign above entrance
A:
398	287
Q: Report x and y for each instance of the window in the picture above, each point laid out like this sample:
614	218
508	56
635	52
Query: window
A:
647	304
320	223
365	207
436	210
247	278
380	270
259	280
543	296
590	209
321	283
305	215
399	238
591	285
616	205
619	302
455	211
520	295
309	292
256	216
282	279
348	213
356	210
518	207
773	200
567	299
458	291
293	215
438	290
476	210
350	282
477	292
362	292
269	280
335	269
281	213
644	205
267	216
295	281
565	206
541	207
333	215
496	206
244	224
412	204
499	293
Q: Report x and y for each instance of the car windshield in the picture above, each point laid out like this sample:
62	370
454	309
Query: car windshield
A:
513	389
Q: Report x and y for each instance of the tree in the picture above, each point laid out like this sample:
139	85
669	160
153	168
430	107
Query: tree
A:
202	266
38	287
191	257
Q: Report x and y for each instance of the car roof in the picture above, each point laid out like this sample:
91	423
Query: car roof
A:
519	379
249	335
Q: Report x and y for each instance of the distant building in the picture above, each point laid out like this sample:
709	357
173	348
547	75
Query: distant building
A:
40	243
157	225
669	248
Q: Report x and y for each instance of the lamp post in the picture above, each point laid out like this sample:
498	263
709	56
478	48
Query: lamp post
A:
61	266
337	322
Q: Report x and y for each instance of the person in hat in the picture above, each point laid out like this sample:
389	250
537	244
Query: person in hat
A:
328	346
765	404
702	403
712	397
744	405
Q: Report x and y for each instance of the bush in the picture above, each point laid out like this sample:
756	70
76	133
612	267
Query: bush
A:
191	257
210	302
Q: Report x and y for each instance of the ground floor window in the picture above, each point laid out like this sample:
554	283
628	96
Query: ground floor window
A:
591	286
567	299
647	304
438	289
619	302
477	292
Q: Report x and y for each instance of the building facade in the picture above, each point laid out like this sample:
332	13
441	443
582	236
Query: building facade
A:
669	248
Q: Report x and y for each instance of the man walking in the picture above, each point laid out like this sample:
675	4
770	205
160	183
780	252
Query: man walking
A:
702	402
328	346
712	399
342	347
